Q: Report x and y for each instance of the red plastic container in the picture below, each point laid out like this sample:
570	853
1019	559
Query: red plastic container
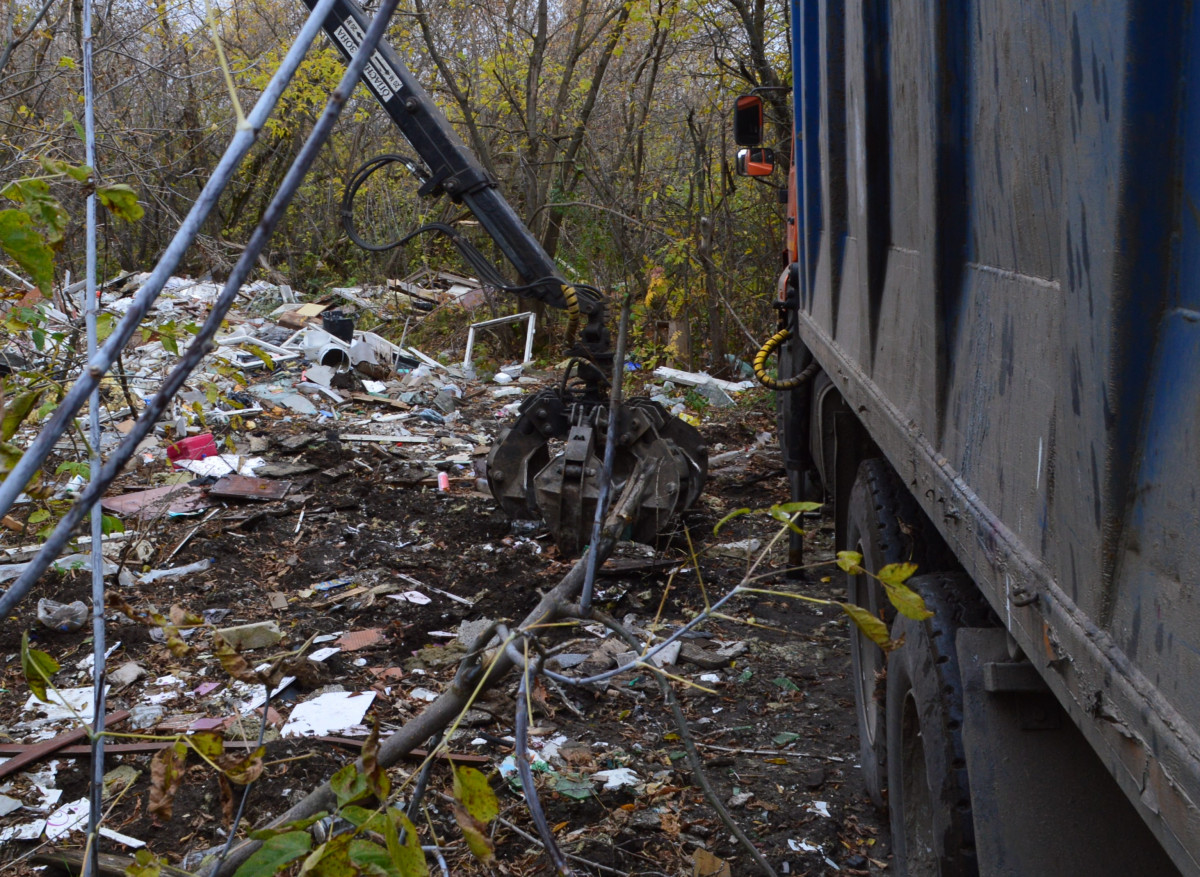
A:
195	447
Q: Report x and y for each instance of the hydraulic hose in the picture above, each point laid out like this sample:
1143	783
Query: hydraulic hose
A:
572	298
760	360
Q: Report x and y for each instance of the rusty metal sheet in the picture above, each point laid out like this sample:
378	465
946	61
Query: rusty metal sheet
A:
245	487
149	505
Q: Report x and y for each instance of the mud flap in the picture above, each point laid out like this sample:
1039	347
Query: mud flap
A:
1042	801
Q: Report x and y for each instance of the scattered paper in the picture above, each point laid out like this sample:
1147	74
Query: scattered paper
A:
327	714
67	818
617	778
415	597
222	464
802	846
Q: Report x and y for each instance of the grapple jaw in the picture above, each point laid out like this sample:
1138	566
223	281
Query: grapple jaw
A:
549	464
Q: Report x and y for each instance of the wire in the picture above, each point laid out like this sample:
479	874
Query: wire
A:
484	268
760	370
359	179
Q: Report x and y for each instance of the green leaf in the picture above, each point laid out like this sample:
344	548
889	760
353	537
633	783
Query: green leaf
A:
79	172
275	853
261	354
475	834
784	683
408	857
792	508
851	562
729	517
872	626
364	818
296	825
105	323
38	667
784	517
79	132
475	807
896	573
74	467
472	789
122	200
331	859
208	743
27	247
110	525
66	62
349	784
41	206
370	858
144	864
36	517
908	602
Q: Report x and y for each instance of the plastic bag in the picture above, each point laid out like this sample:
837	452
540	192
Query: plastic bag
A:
63	617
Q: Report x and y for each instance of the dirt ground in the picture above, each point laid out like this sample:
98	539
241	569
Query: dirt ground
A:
775	723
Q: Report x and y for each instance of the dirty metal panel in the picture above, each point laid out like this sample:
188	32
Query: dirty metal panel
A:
245	487
1011	308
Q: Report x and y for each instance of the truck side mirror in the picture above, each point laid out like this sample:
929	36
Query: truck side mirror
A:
748	120
759	162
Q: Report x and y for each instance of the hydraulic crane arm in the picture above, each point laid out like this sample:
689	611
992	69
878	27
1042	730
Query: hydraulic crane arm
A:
526	478
454	170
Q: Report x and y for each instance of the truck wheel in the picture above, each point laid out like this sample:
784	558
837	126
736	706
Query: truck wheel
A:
928	793
882	524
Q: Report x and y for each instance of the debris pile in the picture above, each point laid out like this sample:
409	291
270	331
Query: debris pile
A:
308	538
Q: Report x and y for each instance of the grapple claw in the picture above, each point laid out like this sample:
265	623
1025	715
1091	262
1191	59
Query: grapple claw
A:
532	478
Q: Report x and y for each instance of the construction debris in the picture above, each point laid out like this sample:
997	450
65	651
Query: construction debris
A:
316	496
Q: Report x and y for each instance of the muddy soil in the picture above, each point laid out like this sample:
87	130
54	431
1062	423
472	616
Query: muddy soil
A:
774	724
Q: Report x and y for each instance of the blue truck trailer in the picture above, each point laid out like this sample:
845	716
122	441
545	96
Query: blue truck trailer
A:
993	308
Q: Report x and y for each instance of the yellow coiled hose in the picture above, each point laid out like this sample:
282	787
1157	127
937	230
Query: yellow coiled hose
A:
572	298
760	361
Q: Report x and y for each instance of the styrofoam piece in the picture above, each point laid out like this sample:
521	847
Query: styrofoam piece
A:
696	379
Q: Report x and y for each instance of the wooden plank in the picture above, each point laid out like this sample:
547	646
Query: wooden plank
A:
383	400
37	751
109	864
391	439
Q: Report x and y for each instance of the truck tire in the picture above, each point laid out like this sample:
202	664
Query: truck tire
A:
884	525
928	792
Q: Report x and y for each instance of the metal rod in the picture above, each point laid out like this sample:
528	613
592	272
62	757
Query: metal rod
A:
525	772
64	415
91	862
202	344
17	277
610	453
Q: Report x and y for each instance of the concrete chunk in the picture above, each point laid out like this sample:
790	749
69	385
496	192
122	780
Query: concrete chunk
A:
246	637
